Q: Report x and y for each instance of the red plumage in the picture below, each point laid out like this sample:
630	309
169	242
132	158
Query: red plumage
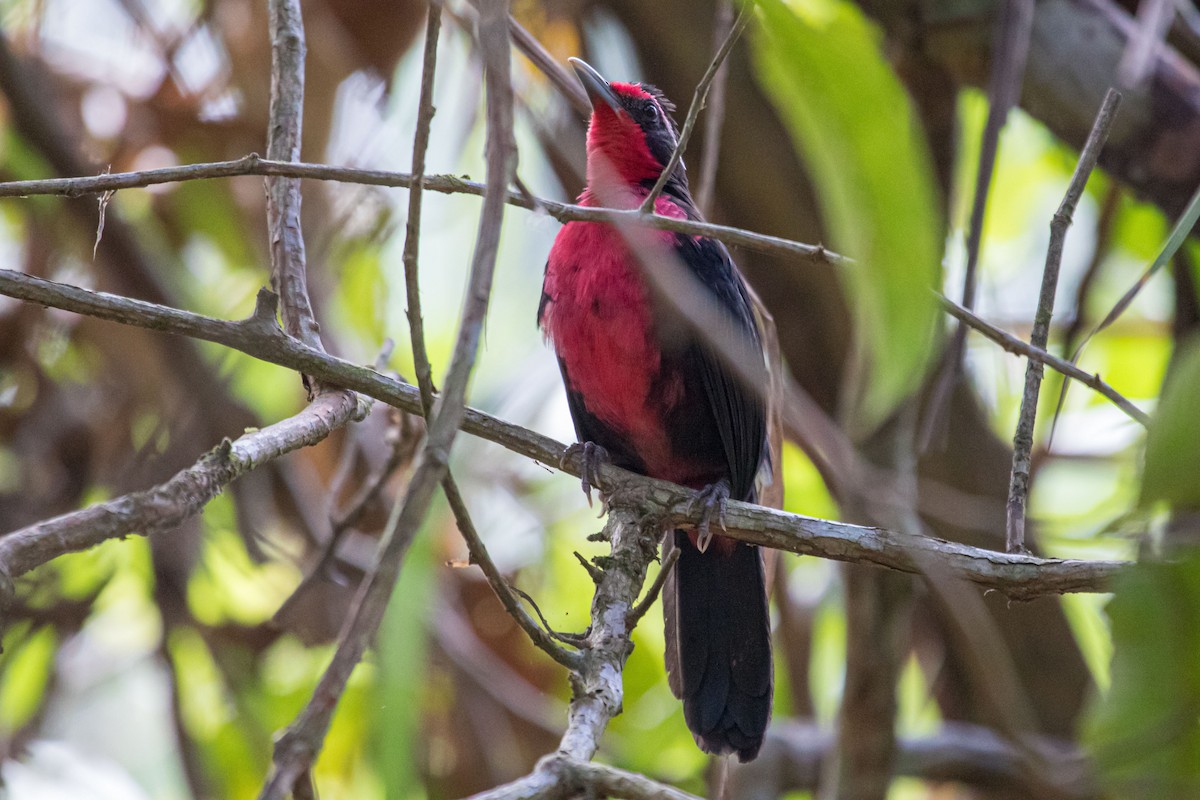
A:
661	403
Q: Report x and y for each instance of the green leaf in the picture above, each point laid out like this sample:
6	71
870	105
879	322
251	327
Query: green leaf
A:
402	687
1172	471
1145	733
854	126
25	677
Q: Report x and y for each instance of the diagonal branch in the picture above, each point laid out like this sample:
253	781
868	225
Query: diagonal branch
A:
475	546
596	682
297	748
1022	348
1014	26
164	507
1018	576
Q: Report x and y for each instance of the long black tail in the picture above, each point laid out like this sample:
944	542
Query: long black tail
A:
719	645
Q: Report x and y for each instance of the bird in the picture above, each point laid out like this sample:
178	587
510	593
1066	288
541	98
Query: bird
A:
654	397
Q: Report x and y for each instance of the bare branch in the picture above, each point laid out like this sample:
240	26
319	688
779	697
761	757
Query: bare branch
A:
1018	488
424	372
1022	348
446	184
164	507
296	749
1018	576
958	752
288	276
655	589
566	84
480	556
412	234
596	682
698	98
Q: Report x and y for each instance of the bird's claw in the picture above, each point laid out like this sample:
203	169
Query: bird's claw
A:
714	500
591	457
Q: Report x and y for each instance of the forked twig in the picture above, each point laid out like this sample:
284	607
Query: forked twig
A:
1018	489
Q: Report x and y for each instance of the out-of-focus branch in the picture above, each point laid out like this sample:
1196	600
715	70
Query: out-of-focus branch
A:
1018	576
878	630
446	184
1014	26
424	371
1018	489
698	100
976	756
715	120
297	748
163	507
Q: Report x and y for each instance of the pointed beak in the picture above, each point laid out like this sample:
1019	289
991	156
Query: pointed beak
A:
598	90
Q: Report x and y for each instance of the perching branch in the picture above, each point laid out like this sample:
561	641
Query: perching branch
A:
1018	576
596	681
1018	489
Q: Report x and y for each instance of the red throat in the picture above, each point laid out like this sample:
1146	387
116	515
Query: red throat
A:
615	143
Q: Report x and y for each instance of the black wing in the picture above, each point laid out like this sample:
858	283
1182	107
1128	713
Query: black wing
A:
738	409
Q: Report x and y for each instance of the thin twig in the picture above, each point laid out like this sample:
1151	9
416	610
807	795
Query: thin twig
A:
1018	489
655	589
412	233
597	691
288	276
297	748
1154	19
403	450
1179	234
564	81
685	133
714	121
1022	348
446	184
540	636
424	371
1017	576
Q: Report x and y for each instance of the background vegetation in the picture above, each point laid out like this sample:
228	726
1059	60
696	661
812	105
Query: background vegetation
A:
164	667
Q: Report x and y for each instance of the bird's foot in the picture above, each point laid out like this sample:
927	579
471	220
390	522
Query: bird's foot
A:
591	457
714	501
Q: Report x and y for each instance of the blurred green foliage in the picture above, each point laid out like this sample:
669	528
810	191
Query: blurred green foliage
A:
1145	732
1172	469
853	123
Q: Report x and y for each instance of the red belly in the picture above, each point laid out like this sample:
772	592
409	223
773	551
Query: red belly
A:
598	316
